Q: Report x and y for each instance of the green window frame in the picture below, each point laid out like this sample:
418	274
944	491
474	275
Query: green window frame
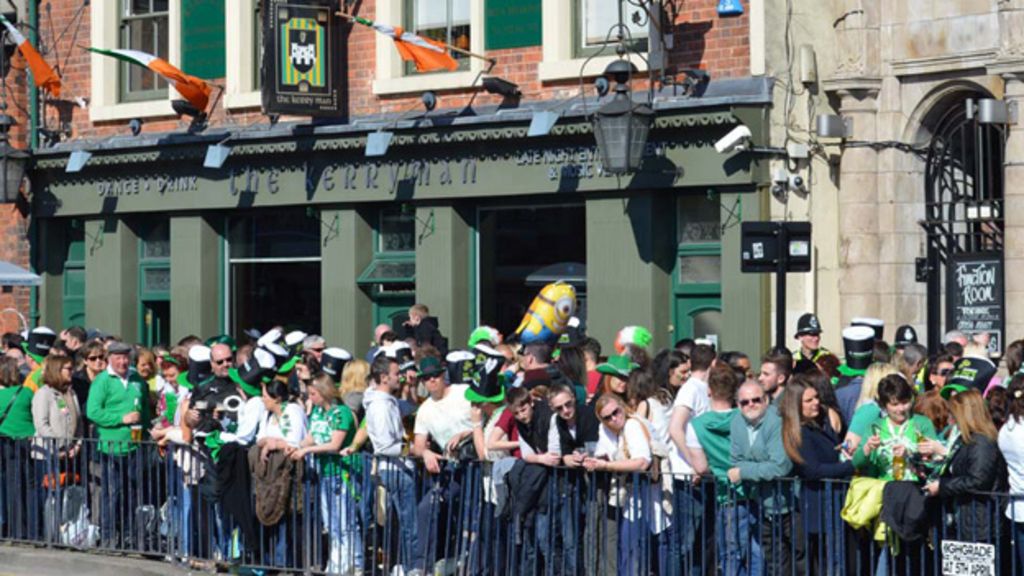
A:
582	47
392	271
257	45
144	25
451	32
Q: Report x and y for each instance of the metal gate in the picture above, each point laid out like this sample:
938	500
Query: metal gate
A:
963	203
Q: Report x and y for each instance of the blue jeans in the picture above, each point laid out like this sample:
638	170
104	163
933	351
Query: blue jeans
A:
1018	544
119	497
180	510
682	555
338	513
633	546
739	549
401	489
561	518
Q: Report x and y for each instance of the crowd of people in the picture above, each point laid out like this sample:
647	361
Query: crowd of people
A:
678	461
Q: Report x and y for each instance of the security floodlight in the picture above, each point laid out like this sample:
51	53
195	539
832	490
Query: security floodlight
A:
216	155
542	122
77	161
377	143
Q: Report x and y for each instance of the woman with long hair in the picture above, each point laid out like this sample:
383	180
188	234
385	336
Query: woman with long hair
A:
1011	444
331	429
55	415
624	446
810	441
974	465
354	380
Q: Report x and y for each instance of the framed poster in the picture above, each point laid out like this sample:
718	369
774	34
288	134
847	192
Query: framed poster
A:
975	296
303	58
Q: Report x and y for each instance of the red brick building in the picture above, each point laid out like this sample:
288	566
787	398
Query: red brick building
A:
545	47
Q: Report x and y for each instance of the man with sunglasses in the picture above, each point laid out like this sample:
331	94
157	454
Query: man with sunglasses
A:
759	461
208	395
939	371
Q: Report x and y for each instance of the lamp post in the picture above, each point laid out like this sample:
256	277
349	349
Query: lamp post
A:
621	125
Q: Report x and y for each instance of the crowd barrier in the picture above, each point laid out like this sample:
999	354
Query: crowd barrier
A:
388	516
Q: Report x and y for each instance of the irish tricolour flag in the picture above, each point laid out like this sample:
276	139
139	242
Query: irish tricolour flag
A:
193	89
43	75
427	54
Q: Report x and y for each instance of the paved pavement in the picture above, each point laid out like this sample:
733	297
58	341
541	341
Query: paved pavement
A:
16	560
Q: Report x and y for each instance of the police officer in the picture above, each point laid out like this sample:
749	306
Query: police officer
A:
808	332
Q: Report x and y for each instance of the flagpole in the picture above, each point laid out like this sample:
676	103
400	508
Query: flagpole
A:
491	61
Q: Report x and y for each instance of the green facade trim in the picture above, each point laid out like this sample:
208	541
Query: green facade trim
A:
196	302
442	271
346	308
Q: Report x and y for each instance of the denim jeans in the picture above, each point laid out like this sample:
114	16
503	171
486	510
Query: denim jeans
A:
739	548
683	556
400	486
119	498
561	519
1018	545
338	513
634	539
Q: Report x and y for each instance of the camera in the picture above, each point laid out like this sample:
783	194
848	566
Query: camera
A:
737	139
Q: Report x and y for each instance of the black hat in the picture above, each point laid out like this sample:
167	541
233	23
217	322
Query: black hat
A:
905	335
199	367
401	352
293	341
874	323
858	343
487	385
807	324
281	357
333	361
39	342
250	375
974	372
460	366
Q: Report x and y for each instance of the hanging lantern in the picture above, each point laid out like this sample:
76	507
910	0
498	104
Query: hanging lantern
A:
621	125
14	162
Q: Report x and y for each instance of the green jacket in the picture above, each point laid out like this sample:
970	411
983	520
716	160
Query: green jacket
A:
18	422
712	430
109	401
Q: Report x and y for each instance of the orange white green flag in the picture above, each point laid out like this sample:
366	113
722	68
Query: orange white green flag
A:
425	53
43	75
193	89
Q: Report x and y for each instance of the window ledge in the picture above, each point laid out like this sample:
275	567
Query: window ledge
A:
422	82
570	69
243	100
128	110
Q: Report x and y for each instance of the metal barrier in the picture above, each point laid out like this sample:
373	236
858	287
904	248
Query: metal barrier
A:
387	516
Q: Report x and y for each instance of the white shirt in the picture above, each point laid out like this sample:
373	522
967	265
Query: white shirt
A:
658	416
122	380
693	394
291	427
634	442
443	419
253	412
1011	444
554	437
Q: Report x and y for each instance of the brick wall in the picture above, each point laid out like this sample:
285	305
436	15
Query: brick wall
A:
702	40
13	248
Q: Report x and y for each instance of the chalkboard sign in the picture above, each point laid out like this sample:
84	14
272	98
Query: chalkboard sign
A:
975	298
302	69
202	38
512	24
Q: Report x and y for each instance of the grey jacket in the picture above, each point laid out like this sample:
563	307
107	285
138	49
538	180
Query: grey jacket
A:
763	461
52	421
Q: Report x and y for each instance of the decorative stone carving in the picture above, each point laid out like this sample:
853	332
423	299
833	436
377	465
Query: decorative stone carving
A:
856	27
1011	29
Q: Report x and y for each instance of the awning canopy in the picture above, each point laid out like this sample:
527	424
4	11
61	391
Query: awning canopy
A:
11	275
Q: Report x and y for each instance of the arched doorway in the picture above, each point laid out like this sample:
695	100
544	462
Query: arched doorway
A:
964	221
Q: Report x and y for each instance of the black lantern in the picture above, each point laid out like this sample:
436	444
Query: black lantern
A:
621	126
14	161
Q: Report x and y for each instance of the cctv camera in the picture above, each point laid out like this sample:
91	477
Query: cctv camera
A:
736	139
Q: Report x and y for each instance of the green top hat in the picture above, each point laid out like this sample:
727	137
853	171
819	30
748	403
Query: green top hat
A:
222	339
619	366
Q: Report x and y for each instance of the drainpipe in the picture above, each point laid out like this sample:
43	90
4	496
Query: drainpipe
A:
33	142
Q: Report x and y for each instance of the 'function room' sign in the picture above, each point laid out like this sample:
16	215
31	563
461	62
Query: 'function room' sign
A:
302	68
975	296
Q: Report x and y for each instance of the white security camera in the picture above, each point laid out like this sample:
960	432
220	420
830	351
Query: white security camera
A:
737	139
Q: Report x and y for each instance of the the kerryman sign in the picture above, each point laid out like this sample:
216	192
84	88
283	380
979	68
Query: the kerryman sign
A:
302	58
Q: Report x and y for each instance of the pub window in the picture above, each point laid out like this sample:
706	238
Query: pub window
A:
595	18
393	269
274	271
442	20
144	27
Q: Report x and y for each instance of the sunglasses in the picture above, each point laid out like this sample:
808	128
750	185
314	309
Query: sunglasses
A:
562	407
609	417
751	401
945	372
221	361
94	358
